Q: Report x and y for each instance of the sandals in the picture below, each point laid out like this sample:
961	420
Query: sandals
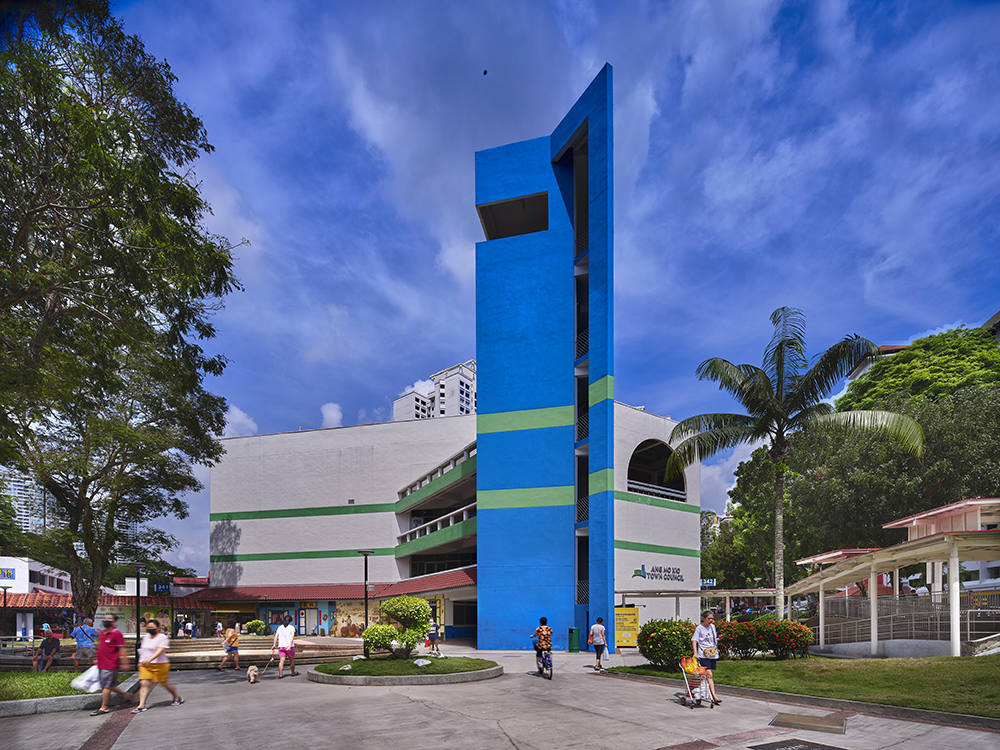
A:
294	674
138	709
99	712
178	702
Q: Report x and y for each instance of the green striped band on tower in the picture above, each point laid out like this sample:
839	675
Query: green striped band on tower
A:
527	419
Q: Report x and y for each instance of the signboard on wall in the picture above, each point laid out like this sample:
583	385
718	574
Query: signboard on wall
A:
6	574
627	627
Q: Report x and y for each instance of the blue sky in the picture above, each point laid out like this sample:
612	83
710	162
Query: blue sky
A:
838	157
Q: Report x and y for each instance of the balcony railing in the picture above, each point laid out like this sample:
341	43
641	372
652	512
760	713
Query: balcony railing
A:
583	592
583	509
440	471
652	490
582	426
450	519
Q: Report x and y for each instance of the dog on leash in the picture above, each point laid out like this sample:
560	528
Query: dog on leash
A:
252	674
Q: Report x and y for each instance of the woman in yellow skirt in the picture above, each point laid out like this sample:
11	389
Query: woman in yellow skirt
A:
154	667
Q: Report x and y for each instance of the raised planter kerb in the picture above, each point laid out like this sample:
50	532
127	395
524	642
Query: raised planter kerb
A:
416	679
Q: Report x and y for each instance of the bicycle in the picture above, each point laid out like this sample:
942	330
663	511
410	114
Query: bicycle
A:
546	661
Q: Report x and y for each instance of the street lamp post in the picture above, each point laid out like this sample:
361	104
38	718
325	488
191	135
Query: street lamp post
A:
366	552
265	616
4	612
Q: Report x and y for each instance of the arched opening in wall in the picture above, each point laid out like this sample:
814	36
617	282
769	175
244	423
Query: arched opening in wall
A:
646	470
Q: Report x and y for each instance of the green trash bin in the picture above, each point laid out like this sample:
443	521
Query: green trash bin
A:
574	640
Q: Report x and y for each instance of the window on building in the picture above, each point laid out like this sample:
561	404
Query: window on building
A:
59	583
464	614
33	576
993	572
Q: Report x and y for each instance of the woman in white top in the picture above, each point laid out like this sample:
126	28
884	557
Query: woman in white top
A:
597	639
706	647
154	667
284	641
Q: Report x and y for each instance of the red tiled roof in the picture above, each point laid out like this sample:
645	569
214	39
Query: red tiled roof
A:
65	601
297	592
449	579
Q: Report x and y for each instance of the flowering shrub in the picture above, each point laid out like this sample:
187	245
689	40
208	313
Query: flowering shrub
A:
255	626
738	640
784	637
741	640
664	642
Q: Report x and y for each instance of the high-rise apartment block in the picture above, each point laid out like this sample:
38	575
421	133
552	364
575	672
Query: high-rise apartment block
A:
450	392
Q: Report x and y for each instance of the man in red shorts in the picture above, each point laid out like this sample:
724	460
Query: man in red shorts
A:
111	654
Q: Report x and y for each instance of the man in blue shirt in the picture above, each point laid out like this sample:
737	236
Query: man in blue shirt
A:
86	636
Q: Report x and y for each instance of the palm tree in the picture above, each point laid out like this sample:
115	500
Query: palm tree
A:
784	396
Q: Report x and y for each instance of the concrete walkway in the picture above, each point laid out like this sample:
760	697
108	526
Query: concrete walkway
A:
577	709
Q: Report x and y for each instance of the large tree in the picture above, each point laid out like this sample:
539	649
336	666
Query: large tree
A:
108	280
113	465
784	396
102	244
848	489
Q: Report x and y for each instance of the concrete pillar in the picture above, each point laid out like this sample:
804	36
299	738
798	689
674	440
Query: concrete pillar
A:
953	600
873	606
677	609
938	567
788	607
822	614
895	584
727	607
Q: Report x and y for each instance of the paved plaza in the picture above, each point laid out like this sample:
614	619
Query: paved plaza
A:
577	709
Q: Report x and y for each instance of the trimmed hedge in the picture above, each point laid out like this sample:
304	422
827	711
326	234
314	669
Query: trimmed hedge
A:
665	642
741	640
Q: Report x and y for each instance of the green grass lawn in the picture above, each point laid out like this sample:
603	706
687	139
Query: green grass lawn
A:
381	666
19	685
964	686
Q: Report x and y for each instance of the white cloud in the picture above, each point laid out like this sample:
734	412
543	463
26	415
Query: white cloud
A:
239	423
423	387
333	415
718	478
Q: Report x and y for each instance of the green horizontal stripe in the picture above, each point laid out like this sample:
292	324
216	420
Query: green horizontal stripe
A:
468	466
529	419
601	481
443	536
533	497
324	510
656	549
657	502
602	390
306	555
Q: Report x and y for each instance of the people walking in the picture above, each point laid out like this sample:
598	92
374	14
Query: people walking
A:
154	667
231	643
112	655
597	640
86	643
218	628
284	640
433	633
706	648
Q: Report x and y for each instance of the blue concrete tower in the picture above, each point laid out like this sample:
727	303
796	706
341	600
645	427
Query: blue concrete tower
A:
544	347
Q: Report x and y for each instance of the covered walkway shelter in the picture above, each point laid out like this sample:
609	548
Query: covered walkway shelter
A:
678	594
950	534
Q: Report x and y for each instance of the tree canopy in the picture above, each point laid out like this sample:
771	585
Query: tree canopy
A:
930	367
102	245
